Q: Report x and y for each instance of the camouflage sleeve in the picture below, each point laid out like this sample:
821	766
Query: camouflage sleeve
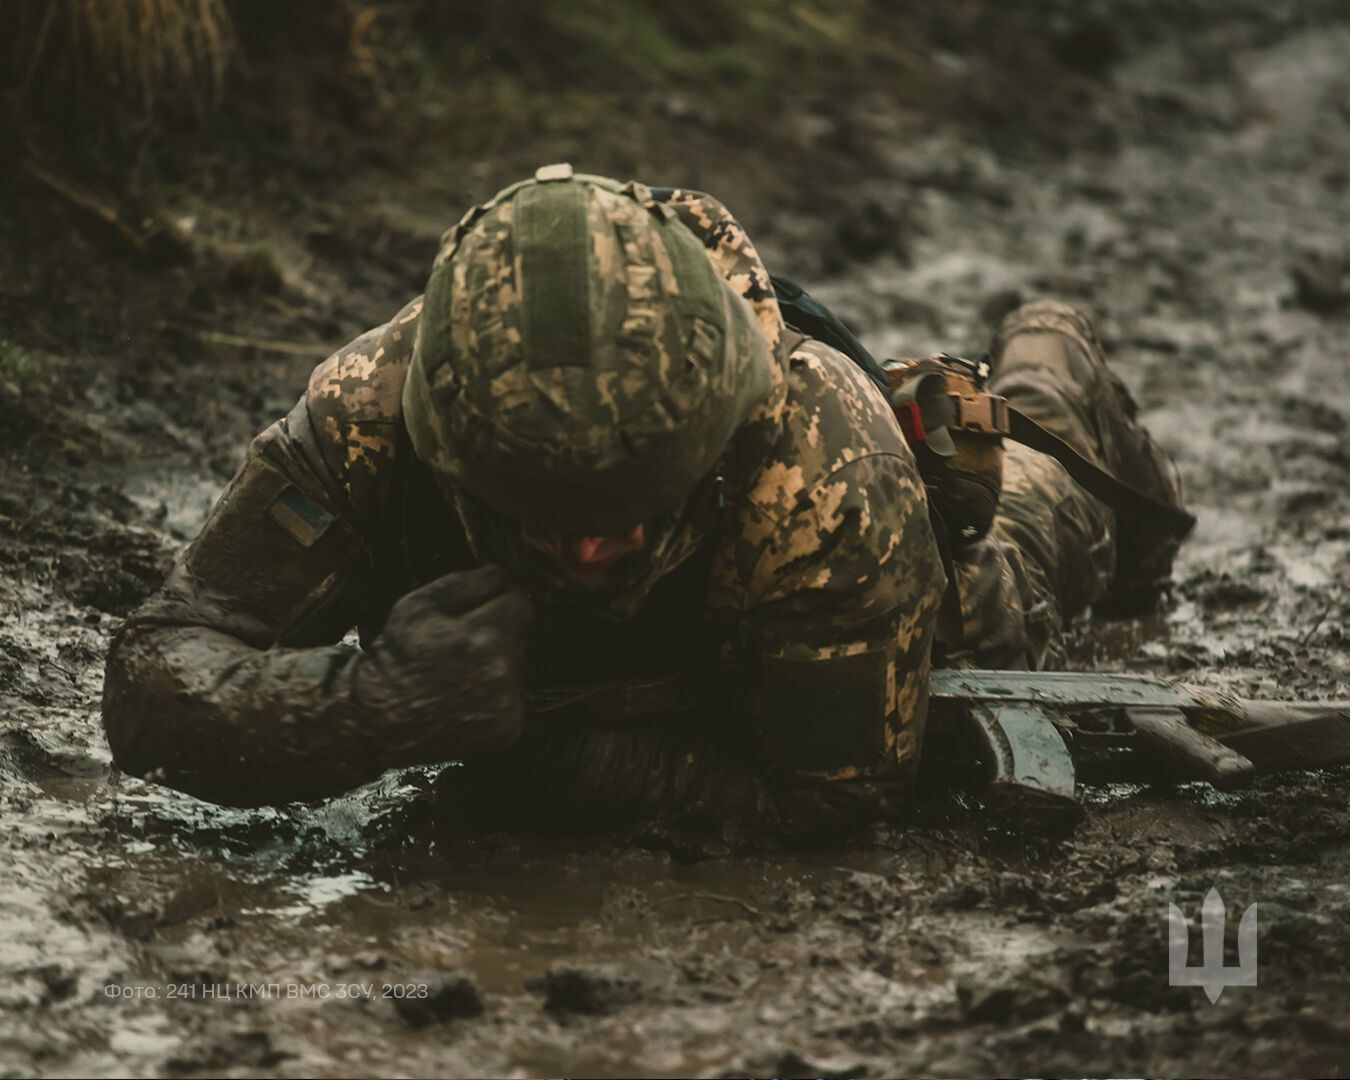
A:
229	682
839	645
196	696
834	572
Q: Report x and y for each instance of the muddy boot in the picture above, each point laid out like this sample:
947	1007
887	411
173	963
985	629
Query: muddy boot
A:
1050	366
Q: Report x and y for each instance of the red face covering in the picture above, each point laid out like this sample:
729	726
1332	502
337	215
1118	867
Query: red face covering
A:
586	560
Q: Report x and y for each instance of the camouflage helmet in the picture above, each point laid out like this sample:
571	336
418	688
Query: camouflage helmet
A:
580	364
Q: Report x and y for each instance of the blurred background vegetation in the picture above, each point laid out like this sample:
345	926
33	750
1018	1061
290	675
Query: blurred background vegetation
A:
303	155
109	77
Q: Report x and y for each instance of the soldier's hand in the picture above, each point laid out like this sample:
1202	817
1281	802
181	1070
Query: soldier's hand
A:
445	679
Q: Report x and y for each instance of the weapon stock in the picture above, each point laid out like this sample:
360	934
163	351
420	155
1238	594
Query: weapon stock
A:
1036	734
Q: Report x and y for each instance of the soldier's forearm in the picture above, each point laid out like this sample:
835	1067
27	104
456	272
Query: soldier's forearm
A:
205	713
194	707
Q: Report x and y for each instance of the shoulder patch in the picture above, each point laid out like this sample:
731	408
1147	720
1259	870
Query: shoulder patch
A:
300	516
268	551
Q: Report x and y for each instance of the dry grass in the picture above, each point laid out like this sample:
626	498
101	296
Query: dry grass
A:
113	67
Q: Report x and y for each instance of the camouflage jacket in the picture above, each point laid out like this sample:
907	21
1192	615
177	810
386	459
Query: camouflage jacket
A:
805	609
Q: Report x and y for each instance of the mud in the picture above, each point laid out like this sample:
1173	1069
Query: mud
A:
145	933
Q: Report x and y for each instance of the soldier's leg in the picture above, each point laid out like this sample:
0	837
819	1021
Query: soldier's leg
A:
1049	553
1053	549
1049	364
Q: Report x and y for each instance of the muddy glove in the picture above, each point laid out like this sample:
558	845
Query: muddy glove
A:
445	677
189	705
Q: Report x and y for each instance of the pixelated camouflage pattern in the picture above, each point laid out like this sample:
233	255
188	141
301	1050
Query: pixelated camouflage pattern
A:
829	542
1048	555
1051	357
830	547
733	253
1049	316
666	364
354	401
823	560
1057	369
826	564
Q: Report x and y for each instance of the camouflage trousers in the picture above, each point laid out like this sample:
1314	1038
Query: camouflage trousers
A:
1053	549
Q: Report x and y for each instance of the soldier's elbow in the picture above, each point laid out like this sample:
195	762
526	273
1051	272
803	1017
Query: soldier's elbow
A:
139	711
123	710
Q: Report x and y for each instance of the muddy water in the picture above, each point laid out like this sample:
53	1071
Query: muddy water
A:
145	933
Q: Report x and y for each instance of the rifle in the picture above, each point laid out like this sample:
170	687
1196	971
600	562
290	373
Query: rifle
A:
1034	735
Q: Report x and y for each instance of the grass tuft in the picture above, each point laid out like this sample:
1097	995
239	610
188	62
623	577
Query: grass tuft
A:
112	68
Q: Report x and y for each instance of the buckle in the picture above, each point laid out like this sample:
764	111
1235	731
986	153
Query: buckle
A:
986	414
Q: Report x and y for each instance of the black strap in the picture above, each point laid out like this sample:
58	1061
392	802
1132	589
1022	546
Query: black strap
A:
804	313
1127	501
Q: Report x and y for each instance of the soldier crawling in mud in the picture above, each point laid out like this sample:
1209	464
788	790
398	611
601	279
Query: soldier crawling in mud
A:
614	533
